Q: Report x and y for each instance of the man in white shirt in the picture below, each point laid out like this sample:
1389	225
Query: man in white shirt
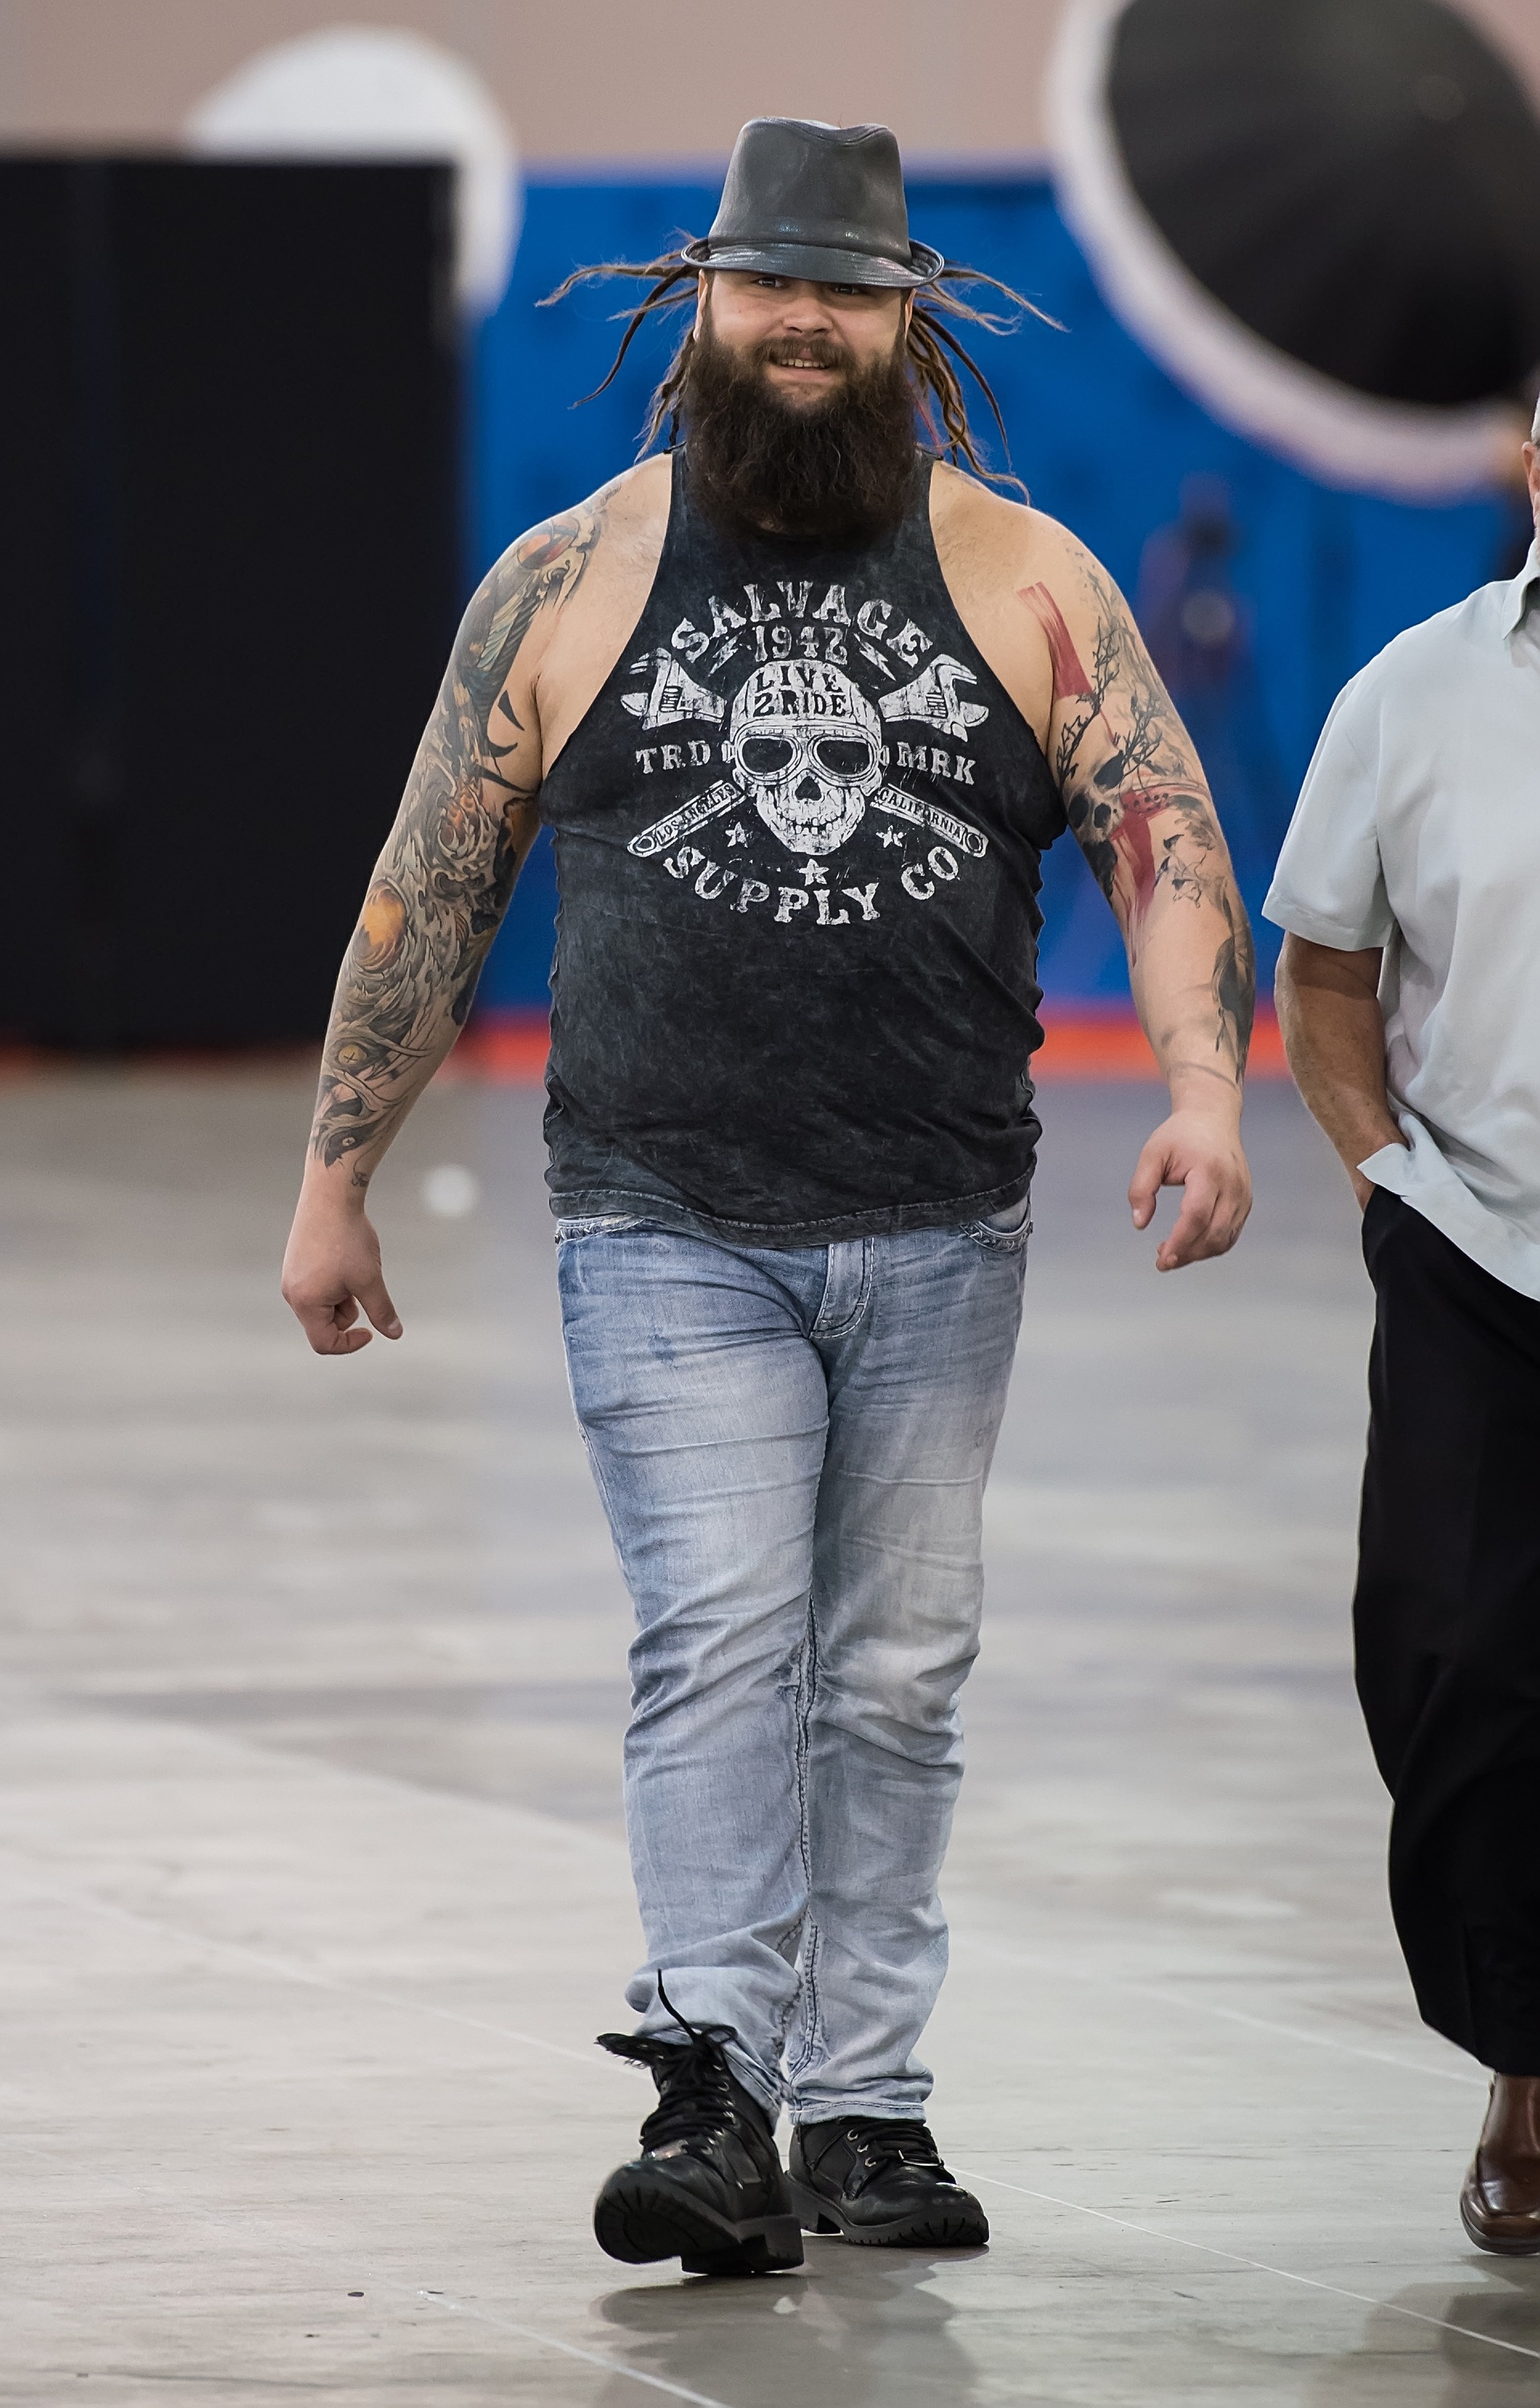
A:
1409	994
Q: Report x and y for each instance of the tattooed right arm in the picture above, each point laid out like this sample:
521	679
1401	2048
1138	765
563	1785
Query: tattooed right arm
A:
440	890
444	882
1135	797
1137	801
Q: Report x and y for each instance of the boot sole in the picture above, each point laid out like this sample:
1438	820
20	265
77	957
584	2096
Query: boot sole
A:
1499	2248
641	2219
939	2227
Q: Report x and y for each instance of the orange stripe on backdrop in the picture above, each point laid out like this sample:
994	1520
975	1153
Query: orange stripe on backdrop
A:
508	1049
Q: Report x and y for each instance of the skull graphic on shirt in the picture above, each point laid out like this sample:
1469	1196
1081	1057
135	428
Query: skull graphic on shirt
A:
805	743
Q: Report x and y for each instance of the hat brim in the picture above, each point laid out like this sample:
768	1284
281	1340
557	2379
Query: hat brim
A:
815	265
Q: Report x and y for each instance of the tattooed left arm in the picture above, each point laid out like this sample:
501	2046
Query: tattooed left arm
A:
1136	799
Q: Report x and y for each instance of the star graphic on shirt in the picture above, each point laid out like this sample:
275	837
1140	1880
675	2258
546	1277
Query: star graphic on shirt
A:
813	874
889	836
737	833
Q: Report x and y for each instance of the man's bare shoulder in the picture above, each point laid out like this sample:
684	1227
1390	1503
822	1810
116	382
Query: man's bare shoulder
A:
582	568
1005	544
632	509
1086	592
617	534
1000	557
637	499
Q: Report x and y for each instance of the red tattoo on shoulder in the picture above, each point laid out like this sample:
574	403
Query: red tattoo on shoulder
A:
1069	675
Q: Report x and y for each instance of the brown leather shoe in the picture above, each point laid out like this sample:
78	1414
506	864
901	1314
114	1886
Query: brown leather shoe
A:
1500	2204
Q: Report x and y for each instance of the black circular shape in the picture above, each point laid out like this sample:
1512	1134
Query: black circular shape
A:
765	756
1357	180
843	756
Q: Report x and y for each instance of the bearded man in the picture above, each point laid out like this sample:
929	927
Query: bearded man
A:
803	706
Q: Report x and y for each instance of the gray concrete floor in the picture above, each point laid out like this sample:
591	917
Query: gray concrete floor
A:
314	1892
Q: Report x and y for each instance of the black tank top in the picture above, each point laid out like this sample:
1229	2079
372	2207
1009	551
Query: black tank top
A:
797	840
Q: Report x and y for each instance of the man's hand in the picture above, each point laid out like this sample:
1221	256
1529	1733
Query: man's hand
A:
1200	1152
330	1269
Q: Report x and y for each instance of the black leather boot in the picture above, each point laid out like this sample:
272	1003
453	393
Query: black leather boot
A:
708	2188
880	2181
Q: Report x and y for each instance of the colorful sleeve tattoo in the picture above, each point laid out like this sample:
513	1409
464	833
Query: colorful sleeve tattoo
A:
1135	797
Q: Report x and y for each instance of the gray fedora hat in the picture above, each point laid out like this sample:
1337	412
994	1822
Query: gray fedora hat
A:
825	202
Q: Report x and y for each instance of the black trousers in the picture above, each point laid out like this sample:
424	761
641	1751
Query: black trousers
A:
1446	1620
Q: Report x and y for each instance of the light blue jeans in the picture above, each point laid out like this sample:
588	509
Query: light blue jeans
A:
791	1447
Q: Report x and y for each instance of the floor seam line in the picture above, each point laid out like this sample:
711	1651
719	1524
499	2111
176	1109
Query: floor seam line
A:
301	2248
1206	2007
304	1974
559	1828
570	2349
1234	2258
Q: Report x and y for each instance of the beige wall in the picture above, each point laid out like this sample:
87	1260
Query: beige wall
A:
578	78
593	79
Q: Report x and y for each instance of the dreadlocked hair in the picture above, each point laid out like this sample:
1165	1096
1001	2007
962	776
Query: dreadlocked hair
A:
932	350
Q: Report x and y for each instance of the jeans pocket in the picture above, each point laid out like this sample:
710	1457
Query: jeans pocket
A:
597	1225
1004	1232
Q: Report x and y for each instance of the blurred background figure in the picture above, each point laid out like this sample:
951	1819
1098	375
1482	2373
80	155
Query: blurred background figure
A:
1200	629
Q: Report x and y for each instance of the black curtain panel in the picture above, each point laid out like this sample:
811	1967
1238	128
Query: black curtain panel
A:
229	482
1356	180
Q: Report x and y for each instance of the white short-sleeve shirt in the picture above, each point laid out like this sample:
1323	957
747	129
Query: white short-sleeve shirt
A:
1418	829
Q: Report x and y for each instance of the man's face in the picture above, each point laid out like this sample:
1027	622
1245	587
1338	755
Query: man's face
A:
798	406
808	337
1532	470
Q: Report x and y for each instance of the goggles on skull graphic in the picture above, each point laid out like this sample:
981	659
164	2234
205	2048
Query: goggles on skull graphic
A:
806	744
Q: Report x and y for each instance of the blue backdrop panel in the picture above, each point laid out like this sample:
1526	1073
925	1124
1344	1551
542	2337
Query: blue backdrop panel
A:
1319	579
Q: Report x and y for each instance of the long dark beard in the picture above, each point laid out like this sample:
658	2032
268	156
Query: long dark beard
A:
844	468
